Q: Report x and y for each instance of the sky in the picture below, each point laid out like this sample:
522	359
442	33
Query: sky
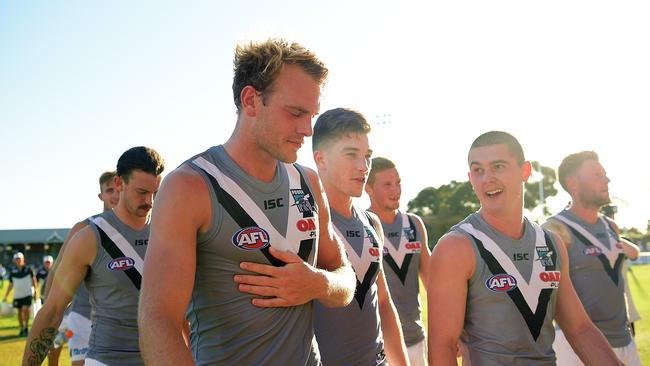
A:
81	82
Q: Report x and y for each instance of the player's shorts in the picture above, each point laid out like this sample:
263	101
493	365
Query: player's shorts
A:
418	353
23	301
78	343
566	356
91	362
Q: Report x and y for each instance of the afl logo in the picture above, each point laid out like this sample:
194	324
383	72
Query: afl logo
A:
501	282
251	238
121	264
592	251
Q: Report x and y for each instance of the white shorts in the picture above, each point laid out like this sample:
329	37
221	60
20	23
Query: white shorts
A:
567	357
91	362
78	343
418	353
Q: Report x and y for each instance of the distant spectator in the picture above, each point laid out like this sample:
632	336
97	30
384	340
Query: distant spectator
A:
23	282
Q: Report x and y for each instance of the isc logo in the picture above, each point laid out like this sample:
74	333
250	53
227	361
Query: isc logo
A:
121	264
501	282
251	238
307	224
592	251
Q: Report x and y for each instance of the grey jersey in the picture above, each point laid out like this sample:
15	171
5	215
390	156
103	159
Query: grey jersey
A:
352	335
249	216
595	259
402	247
510	297
113	283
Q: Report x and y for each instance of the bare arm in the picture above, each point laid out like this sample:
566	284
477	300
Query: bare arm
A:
560	230
72	270
452	260
50	278
9	288
425	252
180	211
332	282
630	249
587	341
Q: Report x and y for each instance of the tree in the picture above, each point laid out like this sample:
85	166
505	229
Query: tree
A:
532	197
443	207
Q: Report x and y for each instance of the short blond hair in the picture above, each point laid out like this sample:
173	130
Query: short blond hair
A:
258	64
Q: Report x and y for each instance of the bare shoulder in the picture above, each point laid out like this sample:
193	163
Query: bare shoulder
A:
559	229
454	249
184	179
454	243
312	177
374	218
82	245
182	199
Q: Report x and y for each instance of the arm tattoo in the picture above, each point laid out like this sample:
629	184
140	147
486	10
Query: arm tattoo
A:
41	345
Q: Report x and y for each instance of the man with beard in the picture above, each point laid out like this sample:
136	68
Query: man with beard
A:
77	319
596	255
107	254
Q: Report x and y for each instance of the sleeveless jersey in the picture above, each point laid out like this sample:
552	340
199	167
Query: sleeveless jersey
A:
352	335
249	216
511	296
402	247
113	283
596	258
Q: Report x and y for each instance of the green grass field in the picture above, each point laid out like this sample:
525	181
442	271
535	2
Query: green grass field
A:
11	346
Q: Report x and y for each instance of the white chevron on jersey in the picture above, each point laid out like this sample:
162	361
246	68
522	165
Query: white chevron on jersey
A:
611	253
401	251
529	289
292	241
361	263
120	241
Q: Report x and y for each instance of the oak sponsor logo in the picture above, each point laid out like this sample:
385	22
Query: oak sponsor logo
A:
307	225
551	277
251	238
501	282
121	264
413	247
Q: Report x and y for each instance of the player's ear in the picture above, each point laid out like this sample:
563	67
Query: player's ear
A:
249	100
319	159
527	170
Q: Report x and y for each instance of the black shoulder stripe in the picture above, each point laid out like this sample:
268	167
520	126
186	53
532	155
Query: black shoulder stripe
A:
111	248
613	273
535	320
238	214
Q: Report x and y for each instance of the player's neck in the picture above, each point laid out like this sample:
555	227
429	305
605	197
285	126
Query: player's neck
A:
251	159
510	224
338	201
385	216
134	222
586	213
